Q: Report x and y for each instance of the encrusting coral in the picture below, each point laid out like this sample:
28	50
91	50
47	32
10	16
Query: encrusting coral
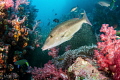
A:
82	68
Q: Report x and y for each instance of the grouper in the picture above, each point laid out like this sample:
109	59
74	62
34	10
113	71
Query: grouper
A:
64	32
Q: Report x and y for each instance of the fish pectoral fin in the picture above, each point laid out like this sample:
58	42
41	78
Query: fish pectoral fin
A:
68	35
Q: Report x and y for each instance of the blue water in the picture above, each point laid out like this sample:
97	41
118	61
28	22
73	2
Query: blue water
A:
48	9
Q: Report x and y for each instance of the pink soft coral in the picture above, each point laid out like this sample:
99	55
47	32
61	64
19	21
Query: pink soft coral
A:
108	55
49	72
8	3
19	2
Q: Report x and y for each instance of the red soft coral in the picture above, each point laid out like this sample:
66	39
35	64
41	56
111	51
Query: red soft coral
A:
108	55
49	72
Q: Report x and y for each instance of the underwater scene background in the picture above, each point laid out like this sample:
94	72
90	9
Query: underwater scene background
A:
59	40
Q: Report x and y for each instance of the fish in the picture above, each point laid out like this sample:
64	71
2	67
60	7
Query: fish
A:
81	13
74	9
104	3
64	32
48	24
60	59
56	20
113	6
55	13
30	47
21	62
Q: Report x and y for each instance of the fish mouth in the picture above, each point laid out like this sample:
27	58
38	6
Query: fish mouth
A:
45	48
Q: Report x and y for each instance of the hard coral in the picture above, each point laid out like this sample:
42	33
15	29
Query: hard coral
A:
80	69
68	58
108	55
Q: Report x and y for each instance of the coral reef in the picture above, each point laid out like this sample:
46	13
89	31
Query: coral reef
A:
68	58
14	38
20	36
49	72
75	61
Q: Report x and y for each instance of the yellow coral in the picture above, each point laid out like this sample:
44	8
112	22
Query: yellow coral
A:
2	14
2	5
22	30
19	33
16	37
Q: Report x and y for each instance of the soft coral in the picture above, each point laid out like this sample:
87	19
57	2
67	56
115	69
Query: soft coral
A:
108	55
49	72
8	3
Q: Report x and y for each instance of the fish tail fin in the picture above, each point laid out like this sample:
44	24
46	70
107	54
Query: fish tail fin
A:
86	18
27	63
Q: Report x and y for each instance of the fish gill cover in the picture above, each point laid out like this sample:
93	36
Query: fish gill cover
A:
86	55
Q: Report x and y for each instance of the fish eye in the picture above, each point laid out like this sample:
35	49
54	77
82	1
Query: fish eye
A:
50	36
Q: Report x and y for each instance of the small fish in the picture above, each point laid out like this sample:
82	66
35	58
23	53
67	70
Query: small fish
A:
104	3
74	9
48	24
64	32
112	5
60	59
21	62
31	47
81	13
56	20
55	13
